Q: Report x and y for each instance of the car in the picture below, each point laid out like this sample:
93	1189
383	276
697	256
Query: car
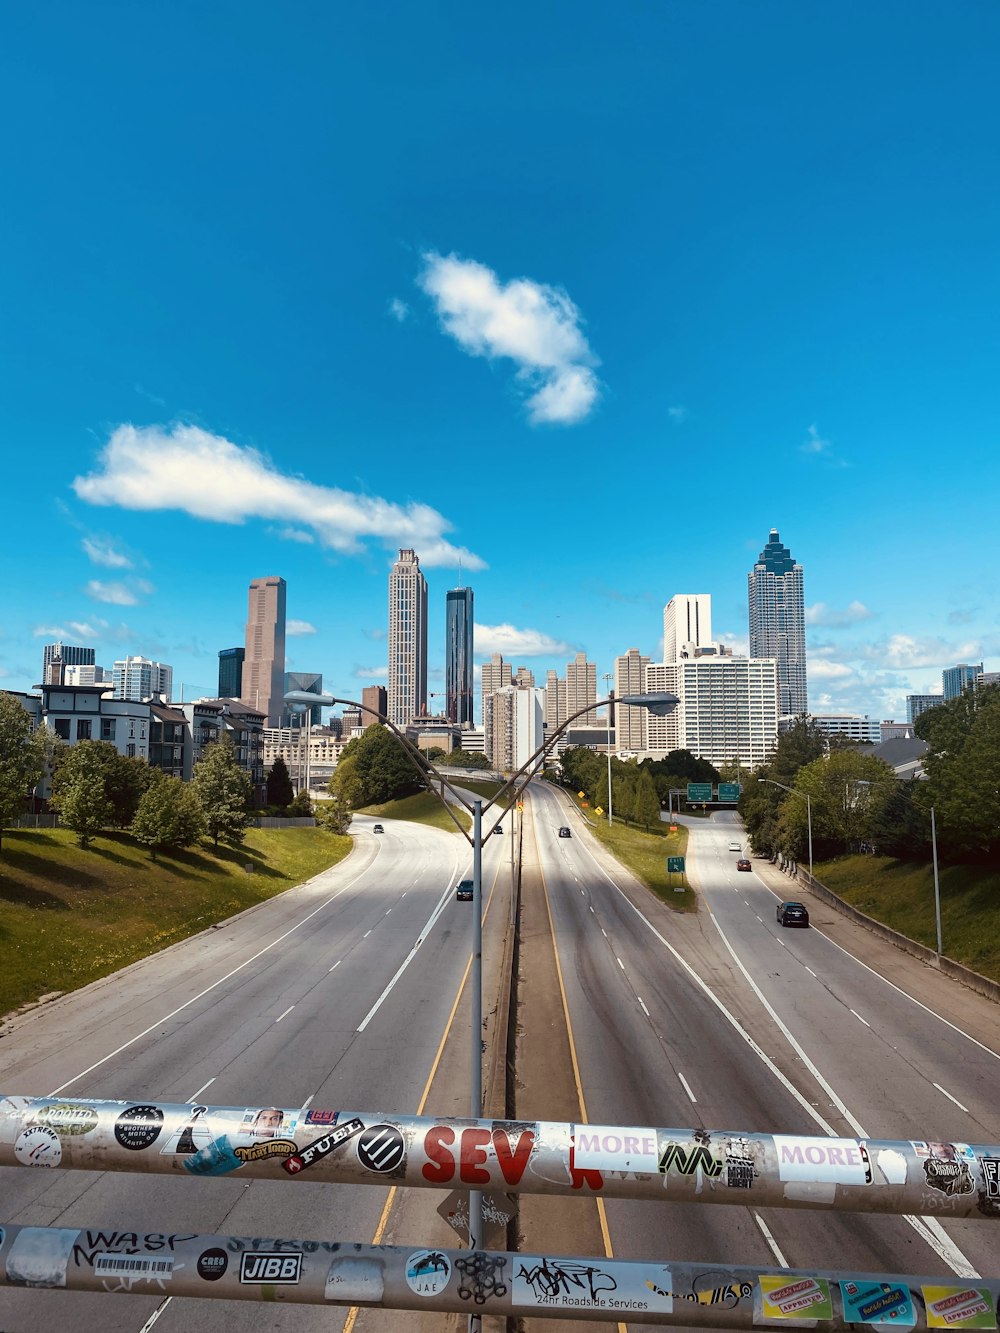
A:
564	832
743	864
792	914
735	847
497	828
464	892
378	829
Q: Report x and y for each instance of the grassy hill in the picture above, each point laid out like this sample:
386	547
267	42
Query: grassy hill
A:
69	915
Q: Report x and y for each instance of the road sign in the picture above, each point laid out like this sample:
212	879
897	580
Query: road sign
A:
729	791
699	791
675	865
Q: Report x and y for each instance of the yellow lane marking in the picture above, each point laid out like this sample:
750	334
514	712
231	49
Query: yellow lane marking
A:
383	1221
601	1213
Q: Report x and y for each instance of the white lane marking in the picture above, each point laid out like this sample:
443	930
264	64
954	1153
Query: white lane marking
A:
780	941
305	1105
591	907
812	973
929	1229
403	894
155	1315
604	932
389	910
285	1014
620	963
336	965
687	1087
428	927
642	1003
366	934
194	998
952	1099
770	1240
860	1019
197	1094
759	918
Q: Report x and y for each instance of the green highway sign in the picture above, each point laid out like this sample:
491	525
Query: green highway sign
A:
729	791
699	791
675	865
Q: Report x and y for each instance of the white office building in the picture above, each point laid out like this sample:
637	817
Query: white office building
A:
140	678
687	624
407	683
855	726
728	709
515	726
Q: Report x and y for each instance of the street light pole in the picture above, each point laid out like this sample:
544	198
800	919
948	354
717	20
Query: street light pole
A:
937	885
809	818
608	715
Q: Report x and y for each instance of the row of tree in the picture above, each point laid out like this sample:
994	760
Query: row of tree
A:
858	804
633	789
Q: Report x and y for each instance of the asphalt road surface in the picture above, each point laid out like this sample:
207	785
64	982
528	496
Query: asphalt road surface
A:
286	1004
661	1007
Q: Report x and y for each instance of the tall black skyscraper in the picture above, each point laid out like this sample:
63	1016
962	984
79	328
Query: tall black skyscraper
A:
458	655
231	672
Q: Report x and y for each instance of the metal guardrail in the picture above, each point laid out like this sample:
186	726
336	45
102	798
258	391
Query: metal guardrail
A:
484	1282
914	1177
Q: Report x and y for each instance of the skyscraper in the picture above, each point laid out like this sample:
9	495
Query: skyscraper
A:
778	621
407	686
374	698
458	655
55	656
687	619
310	682
959	678
231	672
581	689
138	678
630	722
264	665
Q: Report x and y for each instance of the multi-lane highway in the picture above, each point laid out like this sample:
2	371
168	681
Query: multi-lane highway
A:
728	1021
337	993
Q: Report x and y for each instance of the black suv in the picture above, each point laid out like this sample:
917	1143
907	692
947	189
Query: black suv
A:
792	914
564	832
463	893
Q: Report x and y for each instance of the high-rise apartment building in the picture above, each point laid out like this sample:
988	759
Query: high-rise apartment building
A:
778	621
727	710
514	725
309	682
56	656
458	655
919	703
493	675
630	722
374	699
264	664
523	678
139	678
957	679
581	689
231	672
687	620
555	701
407	687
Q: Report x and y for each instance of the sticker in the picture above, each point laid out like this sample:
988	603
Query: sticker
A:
381	1148
352	1279
139	1127
830	1161
988	1201
481	1276
729	1295
39	1256
590	1285
266	1123
321	1147
428	1272
690	1161
884	1304
260	1152
741	1167
38	1146
795	1298
189	1136
948	1167
275	1267
67	1118
217	1158
959	1307
610	1148
212	1264
317	1116
152	1266
892	1164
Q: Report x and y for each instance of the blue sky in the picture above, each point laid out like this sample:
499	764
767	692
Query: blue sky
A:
589	298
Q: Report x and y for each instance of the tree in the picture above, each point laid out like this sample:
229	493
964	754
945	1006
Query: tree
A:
300	807
382	770
125	781
169	814
223	790
79	789
646	808
464	759
962	765
849	793
280	791
334	815
22	758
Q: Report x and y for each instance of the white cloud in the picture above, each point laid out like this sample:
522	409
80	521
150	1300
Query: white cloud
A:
73	629
817	447
289	534
821	614
209	477
513	642
904	652
371	672
119	594
678	414
534	325
398	309
101	552
820	669
293	627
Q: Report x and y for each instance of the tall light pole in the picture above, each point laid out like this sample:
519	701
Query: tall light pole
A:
809	818
610	694
934	861
657	702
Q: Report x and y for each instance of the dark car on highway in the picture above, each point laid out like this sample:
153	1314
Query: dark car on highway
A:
463	893
792	914
743	864
378	829
564	832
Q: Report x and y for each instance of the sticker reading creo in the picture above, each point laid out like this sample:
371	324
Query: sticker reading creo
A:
611	1148
212	1264
428	1272
822	1161
139	1127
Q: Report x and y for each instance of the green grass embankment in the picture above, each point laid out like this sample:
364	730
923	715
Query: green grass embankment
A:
424	808
646	854
70	915
900	894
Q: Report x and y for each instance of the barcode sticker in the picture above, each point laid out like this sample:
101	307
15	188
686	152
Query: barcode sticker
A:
132	1265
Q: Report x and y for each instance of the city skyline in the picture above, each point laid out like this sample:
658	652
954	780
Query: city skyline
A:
777	303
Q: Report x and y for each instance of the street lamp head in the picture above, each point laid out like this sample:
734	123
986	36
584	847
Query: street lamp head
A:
309	700
657	702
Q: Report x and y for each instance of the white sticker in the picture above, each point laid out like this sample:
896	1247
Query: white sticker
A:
38	1256
830	1161
134	1265
352	1279
427	1272
38	1146
585	1284
892	1164
611	1148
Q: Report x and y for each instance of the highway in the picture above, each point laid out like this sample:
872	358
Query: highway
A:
336	993
661	1008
